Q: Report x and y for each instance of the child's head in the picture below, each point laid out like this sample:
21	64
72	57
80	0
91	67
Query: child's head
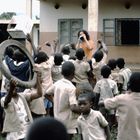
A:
9	51
47	128
85	103
134	82
112	63
18	55
58	59
105	71
120	63
80	54
68	69
41	57
66	50
98	56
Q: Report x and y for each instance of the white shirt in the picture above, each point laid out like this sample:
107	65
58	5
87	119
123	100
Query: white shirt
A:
92	127
64	96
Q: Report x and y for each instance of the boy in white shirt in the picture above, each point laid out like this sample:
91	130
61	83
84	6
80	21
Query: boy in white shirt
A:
91	124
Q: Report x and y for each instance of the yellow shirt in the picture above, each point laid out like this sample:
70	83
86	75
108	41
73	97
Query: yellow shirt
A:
88	52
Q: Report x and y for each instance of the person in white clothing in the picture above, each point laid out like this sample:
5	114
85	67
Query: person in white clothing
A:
91	124
64	100
128	109
124	75
106	88
17	113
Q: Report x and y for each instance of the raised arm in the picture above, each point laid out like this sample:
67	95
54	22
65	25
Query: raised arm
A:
39	91
10	93
32	44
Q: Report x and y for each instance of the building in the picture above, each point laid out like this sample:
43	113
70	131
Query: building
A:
117	22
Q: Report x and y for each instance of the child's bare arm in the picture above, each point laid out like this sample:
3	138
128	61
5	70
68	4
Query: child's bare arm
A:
39	92
8	98
107	132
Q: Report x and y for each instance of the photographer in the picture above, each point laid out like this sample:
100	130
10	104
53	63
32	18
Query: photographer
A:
86	43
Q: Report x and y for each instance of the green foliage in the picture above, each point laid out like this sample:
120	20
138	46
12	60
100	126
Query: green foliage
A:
7	15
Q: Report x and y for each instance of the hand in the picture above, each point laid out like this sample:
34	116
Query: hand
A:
13	84
28	36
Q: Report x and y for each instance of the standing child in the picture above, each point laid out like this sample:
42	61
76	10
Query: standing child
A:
57	67
124	75
44	64
128	110
82	68
91	124
65	103
17	113
106	88
112	63
99	59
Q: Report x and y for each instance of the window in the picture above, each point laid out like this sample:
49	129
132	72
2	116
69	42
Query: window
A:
68	29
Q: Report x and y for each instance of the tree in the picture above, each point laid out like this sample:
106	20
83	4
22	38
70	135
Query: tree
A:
7	15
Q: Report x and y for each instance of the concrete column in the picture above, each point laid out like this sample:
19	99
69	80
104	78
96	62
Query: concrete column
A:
29	13
93	19
29	8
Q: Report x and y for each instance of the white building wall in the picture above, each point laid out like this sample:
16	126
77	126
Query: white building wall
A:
68	9
116	9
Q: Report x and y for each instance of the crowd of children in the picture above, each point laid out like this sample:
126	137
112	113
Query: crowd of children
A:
86	94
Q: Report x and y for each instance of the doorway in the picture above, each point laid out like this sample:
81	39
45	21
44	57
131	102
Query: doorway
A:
130	32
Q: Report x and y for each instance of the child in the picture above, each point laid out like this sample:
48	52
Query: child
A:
44	64
65	103
91	124
98	60
82	68
128	110
47	128
106	88
124	75
66	53
112	63
57	67
17	113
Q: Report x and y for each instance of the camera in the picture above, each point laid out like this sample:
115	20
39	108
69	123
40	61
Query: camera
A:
81	38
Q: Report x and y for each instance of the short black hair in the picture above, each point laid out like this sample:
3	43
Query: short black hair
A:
105	71
41	57
134	82
66	50
89	96
98	55
120	62
47	128
68	69
58	59
80	53
112	63
19	55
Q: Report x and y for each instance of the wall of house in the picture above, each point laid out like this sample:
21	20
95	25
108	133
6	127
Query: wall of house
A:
116	9
68	9
107	9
